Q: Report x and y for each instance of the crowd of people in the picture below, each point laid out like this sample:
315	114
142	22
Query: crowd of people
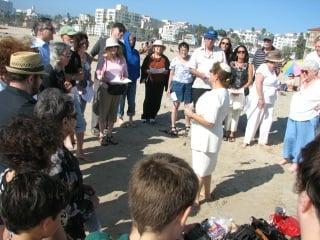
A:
45	88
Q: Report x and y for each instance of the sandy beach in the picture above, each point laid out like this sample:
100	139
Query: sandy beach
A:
247	182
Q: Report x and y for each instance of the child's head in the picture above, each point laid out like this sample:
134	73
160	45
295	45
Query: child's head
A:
32	202
162	189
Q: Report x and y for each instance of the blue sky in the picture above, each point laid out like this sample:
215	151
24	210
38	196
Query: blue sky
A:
277	16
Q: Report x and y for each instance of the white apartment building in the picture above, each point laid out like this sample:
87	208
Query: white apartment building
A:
248	36
282	40
170	30
105	17
6	6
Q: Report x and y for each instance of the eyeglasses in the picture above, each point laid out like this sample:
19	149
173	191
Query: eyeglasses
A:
68	55
304	71
225	43
241	52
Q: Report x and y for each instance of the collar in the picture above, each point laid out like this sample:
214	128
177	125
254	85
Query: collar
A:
37	42
20	92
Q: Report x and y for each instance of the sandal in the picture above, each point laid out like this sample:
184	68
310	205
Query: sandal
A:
173	131
187	130
232	139
103	141
112	140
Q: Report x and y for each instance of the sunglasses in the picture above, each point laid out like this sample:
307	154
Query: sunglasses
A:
241	52
305	71
50	29
225	43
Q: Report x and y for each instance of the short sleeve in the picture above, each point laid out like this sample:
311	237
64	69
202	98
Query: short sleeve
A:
262	69
173	64
193	60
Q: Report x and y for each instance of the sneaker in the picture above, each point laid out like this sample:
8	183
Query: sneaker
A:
143	120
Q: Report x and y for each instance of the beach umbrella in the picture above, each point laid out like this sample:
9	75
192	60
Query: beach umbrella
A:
293	66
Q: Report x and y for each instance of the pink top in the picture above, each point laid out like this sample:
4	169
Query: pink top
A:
111	69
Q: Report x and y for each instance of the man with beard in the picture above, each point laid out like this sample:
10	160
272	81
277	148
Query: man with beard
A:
24	75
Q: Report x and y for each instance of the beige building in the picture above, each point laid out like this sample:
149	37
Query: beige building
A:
311	36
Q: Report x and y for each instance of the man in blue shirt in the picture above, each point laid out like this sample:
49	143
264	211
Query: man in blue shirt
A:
43	31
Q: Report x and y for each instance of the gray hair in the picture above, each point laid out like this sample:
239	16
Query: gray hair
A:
56	50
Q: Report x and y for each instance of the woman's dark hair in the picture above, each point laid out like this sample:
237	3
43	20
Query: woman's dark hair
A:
78	39
55	105
308	175
27	143
228	51
183	44
30	198
235	56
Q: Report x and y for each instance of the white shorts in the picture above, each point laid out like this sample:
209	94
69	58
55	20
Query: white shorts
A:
204	163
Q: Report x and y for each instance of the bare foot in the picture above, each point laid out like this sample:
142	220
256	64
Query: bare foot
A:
284	162
294	167
244	145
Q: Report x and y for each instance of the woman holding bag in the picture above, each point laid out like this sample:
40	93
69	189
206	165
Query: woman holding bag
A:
241	78
109	92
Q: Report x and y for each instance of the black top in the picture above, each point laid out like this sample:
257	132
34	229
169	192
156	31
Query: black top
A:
54	79
239	76
13	102
74	64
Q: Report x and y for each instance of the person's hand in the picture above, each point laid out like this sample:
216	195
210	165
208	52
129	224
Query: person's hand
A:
67	86
203	76
261	103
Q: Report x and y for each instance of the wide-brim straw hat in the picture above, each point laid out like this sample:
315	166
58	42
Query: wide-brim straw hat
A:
26	63
112	42
159	43
274	56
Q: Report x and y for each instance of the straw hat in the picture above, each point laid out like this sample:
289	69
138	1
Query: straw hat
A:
26	63
112	42
274	56
159	43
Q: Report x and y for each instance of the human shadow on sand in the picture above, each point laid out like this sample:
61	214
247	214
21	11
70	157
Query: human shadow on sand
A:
244	180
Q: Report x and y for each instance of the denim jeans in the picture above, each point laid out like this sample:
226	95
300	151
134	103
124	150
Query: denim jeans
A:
130	94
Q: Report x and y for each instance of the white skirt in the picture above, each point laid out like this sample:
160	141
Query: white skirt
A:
204	163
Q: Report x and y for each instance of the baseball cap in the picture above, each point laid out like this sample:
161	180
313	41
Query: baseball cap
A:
211	35
67	30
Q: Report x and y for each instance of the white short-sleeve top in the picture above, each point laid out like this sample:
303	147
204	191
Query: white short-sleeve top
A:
203	61
213	107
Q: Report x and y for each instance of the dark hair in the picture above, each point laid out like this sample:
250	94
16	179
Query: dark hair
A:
120	26
308	175
183	44
27	143
16	77
228	51
30	198
55	105
223	76
41	23
235	56
161	186
78	38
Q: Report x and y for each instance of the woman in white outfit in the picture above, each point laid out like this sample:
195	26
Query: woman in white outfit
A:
262	98
206	129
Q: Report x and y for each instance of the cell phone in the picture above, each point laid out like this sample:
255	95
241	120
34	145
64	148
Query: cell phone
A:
196	233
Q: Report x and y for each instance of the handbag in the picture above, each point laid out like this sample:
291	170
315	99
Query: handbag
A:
116	89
